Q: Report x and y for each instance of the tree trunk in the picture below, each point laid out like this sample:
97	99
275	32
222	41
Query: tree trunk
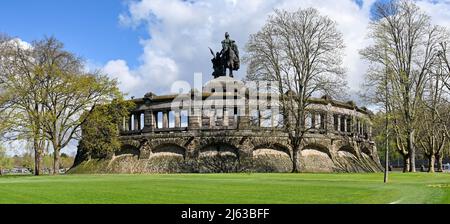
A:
295	160
37	158
439	162
412	152
56	157
405	163
431	164
37	162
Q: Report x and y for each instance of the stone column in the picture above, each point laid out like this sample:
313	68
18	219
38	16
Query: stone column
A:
259	118
329	122
225	117
272	118
356	126
177	116
320	119
153	118
359	127
148	120
212	118
345	123
165	119
244	113
324	121
194	119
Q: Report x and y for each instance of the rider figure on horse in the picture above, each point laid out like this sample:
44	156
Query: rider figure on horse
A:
230	53
227	58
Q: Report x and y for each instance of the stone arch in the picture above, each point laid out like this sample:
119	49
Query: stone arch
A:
271	157
219	157
166	158
156	142
369	160
347	149
220	147
129	149
273	146
318	147
348	159
222	140
366	150
315	157
169	149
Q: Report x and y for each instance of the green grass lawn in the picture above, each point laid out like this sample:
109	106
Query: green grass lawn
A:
227	188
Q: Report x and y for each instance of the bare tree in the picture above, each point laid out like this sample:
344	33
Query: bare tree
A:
444	64
432	134
442	109
404	41
301	52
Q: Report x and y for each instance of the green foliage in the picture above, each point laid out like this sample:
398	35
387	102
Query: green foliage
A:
5	161
101	128
379	136
47	161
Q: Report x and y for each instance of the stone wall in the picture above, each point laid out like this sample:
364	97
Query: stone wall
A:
239	151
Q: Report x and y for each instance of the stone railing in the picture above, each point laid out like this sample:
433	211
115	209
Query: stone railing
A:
156	115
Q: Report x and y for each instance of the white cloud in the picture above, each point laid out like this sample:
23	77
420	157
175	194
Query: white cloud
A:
119	70
20	43
438	10
181	31
17	42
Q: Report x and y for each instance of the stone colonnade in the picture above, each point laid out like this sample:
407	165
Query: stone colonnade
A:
320	121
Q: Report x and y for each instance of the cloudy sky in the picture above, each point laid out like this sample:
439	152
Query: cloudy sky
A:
149	44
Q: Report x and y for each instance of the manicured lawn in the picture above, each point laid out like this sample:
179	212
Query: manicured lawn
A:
227	188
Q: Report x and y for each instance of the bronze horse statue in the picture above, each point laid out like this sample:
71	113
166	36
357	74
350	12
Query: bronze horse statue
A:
228	58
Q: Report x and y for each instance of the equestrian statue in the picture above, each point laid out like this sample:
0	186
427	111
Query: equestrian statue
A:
227	58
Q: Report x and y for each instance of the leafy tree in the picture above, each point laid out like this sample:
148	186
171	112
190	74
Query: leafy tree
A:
101	128
21	109
45	92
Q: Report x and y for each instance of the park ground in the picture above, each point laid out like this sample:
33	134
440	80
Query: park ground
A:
227	188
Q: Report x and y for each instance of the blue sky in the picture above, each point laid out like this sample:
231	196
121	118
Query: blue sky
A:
90	28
